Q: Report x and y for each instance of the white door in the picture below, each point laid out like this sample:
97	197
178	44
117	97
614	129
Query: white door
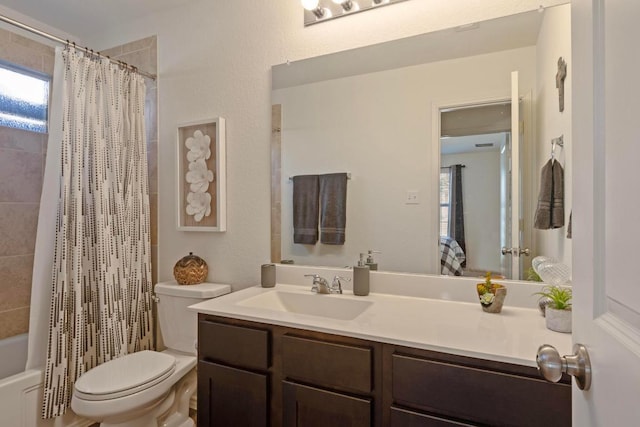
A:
606	208
514	216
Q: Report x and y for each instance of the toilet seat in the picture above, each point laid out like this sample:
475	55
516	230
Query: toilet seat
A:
125	376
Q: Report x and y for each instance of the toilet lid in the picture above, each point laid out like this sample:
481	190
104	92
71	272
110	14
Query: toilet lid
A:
125	375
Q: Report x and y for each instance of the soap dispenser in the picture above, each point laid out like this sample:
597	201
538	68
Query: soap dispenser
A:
373	266
361	278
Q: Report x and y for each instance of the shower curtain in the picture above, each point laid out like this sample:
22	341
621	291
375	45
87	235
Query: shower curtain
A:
100	306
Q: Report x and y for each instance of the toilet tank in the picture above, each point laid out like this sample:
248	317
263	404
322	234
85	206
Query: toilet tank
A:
178	324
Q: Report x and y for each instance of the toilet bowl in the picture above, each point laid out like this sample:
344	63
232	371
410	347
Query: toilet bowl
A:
148	388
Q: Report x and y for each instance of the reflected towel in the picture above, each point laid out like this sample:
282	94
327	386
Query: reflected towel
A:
557	205
305	209
550	211
333	208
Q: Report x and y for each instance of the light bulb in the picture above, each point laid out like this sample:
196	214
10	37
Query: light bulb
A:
310	4
346	4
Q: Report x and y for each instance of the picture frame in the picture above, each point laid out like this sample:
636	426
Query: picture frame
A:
201	203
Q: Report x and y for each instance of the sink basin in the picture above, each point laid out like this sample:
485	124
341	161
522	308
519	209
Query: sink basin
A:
331	306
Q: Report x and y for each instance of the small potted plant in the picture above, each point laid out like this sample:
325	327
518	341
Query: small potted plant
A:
558	310
491	295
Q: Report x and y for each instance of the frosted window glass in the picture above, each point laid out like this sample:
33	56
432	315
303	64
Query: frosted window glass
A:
24	99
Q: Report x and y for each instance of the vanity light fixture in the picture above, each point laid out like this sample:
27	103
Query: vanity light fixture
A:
317	11
312	6
347	5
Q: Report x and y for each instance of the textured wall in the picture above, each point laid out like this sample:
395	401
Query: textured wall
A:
21	170
214	59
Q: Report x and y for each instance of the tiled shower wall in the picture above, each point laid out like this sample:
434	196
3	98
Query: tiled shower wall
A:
21	171
22	156
144	55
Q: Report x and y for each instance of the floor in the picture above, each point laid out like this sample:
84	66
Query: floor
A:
193	414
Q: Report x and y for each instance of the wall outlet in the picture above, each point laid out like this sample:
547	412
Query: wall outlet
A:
413	197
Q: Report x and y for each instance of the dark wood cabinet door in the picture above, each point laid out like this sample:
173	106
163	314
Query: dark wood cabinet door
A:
231	397
305	406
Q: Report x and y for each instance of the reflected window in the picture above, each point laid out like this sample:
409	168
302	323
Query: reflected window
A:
24	98
445	178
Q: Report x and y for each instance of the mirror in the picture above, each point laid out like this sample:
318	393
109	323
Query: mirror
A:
375	113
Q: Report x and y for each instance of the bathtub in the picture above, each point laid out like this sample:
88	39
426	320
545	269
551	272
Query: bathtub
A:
13	354
21	391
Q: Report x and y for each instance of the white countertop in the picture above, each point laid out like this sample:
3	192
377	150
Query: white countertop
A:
460	328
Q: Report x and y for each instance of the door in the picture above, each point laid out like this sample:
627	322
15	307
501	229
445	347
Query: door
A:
606	226
514	216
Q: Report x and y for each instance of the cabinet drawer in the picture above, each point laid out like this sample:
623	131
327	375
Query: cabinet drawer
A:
234	345
478	395
305	406
405	418
338	366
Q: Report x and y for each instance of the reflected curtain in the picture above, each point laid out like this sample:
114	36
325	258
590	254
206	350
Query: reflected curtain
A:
456	208
101	278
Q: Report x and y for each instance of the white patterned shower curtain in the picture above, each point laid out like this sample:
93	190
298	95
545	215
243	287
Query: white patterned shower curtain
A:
101	282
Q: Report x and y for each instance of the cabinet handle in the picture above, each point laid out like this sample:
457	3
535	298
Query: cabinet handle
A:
551	365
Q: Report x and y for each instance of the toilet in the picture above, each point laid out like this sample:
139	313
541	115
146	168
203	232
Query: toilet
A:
150	388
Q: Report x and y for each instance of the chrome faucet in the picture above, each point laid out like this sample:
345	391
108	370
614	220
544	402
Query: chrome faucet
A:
321	285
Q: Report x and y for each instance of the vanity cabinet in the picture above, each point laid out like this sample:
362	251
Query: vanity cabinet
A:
268	375
255	374
233	375
426	388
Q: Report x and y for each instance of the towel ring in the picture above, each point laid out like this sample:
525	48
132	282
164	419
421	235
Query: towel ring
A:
556	141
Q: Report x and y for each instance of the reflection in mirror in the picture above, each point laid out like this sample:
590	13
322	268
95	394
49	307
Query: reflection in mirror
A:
475	196
374	112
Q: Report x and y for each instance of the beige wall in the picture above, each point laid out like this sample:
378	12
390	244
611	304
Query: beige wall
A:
554	41
214	59
21	171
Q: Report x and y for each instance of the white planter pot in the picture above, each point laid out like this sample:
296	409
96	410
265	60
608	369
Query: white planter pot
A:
558	320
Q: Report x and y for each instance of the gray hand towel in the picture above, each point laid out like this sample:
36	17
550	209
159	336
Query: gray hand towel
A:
550	211
333	208
557	203
305	209
542	219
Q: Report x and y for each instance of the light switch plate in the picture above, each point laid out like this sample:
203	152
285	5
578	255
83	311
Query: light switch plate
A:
413	197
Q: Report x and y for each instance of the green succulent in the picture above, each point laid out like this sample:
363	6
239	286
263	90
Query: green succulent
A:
560	297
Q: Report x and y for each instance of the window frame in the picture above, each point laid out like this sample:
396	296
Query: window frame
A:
17	68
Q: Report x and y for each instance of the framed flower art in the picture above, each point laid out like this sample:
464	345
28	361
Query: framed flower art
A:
201	176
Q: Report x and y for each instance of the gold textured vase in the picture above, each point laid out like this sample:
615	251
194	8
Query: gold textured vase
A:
190	270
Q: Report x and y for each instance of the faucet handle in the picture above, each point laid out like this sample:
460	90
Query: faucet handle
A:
320	284
336	285
314	287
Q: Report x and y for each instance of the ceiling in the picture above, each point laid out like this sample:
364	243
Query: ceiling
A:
81	18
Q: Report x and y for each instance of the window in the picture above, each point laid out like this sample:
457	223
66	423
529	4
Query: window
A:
444	201
24	98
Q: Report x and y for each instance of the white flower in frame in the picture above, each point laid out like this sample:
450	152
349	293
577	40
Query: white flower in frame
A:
198	205
199	146
199	176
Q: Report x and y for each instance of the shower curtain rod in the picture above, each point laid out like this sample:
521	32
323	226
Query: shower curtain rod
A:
71	44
